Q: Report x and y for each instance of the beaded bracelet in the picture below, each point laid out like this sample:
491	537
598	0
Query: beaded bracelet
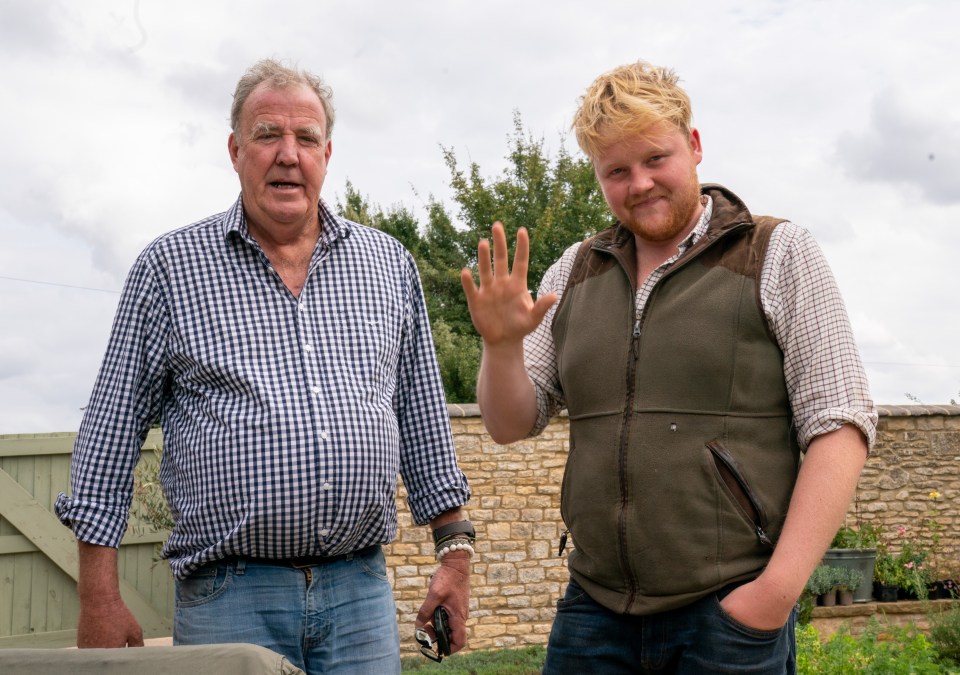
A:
463	545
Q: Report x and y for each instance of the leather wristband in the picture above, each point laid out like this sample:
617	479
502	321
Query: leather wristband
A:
459	527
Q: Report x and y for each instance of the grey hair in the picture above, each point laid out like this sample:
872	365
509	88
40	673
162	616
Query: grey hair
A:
279	76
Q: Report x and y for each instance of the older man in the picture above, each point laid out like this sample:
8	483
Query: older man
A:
287	353
699	350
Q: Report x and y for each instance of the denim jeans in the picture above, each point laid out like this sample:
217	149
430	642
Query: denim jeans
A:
699	638
336	617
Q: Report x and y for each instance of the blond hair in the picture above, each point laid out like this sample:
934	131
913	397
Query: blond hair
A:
626	101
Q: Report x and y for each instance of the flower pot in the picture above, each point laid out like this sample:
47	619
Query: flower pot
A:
860	559
885	593
828	599
844	597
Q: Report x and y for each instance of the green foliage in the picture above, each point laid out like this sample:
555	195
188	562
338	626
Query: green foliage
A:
881	650
821	580
945	634
523	661
849	578
805	605
556	198
886	571
459	359
865	536
149	503
887	650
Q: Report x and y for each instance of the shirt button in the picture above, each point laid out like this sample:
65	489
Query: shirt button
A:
301	306
323	435
327	486
324	533
315	390
308	348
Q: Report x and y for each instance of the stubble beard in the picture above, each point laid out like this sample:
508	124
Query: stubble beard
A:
683	206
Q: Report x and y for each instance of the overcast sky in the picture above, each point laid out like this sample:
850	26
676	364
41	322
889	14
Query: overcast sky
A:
841	116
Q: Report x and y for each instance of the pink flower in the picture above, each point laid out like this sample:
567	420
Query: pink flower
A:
909	565
901	530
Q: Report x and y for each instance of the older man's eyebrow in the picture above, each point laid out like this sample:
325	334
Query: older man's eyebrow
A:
312	131
261	128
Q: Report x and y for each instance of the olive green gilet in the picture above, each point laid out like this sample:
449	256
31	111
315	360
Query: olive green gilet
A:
682	453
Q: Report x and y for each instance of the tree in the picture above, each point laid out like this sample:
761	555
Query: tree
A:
557	199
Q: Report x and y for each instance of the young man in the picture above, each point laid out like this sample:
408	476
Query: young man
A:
699	351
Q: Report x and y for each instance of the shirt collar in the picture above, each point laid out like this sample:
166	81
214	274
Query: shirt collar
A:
332	226
703	223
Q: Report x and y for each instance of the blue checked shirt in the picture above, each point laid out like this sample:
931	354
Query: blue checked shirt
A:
286	420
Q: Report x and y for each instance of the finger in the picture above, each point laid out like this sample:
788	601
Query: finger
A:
137	638
521	255
542	306
425	616
469	287
500	265
484	270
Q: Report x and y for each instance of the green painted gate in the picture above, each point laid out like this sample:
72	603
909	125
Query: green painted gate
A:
38	556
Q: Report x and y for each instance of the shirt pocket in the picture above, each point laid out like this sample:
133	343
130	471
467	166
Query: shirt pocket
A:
369	349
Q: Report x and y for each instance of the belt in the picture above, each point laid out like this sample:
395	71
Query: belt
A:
299	561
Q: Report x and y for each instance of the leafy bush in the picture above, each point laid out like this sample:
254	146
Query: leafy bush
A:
945	634
887	650
864	536
821	580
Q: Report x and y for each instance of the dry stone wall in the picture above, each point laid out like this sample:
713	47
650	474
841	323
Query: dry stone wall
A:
518	577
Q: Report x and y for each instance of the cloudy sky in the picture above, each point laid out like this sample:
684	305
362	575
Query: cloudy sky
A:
842	116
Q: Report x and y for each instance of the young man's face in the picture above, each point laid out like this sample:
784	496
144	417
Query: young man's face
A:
650	182
281	155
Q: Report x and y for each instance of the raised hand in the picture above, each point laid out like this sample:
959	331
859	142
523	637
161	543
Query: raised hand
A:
502	308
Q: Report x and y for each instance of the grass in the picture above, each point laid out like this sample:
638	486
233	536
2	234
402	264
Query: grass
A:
523	661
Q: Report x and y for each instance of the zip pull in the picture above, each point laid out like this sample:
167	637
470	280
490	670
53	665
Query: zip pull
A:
636	338
563	542
764	539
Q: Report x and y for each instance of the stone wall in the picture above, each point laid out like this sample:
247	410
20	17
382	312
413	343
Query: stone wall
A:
517	575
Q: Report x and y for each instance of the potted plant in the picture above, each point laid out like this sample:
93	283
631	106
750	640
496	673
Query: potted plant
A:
855	548
886	576
822	585
848	580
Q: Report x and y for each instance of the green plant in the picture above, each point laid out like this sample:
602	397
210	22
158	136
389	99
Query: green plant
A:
149	503
522	661
822	580
805	606
885	569
945	634
865	535
847	578
880	650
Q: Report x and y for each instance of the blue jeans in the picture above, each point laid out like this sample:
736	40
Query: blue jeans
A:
699	638
336	617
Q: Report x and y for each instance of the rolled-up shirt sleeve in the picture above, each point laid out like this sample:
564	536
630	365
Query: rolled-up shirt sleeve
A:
428	461
825	377
125	401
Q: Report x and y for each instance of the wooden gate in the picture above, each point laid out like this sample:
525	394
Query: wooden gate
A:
38	555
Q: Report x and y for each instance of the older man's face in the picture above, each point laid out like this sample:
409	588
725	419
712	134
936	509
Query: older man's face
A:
281	156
